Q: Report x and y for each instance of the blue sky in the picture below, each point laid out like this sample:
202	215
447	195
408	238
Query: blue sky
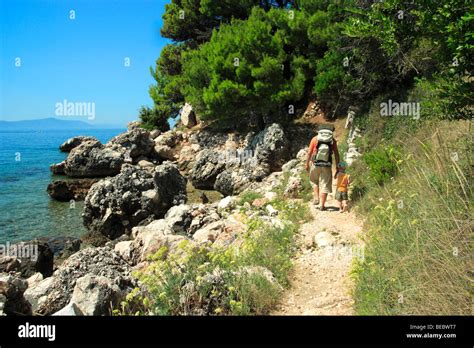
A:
81	59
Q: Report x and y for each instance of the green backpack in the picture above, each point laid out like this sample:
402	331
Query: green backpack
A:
323	155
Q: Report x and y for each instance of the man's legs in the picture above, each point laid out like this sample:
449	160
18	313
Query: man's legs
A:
323	199
316	194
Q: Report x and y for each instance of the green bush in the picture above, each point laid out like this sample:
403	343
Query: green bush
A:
249	197
382	163
154	119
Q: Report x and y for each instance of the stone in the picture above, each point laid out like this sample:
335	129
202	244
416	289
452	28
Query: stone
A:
178	218
12	288
271	211
209	232
34	256
92	159
134	125
96	295
9	264
208	165
155	133
71	143
101	261
290	165
226	203
124	249
58	168
34	279
324	239
259	202
36	294
188	116
70	310
144	163
151	238
64	191
136	141
293	188
165	152
270	195
271	147
114	206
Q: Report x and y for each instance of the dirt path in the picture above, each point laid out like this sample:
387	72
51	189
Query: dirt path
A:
320	282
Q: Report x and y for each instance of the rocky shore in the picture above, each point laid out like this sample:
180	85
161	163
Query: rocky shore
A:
135	202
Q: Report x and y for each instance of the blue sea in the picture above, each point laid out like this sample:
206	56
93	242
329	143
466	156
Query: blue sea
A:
26	210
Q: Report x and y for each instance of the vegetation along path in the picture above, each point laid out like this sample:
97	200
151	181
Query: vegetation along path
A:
320	281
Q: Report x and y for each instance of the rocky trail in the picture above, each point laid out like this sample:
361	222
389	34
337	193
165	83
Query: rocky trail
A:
320	282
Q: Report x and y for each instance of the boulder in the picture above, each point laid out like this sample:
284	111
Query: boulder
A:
96	295
36	294
9	264
234	180
34	279
155	133
188	116
114	206
178	218
209	232
92	159
148	240
70	310
134	125
208	165
11	290
324	239
226	203
165	152
165	145
136	141
290	165
102	261
58	168
64	191
71	143
34	256
294	187
271	148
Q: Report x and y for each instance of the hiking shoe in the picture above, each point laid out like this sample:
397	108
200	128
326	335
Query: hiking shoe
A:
315	202
322	208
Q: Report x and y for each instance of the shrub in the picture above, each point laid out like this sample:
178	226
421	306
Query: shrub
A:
382	163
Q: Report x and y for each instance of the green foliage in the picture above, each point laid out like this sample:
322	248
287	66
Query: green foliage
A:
249	197
382	163
250	79
154	118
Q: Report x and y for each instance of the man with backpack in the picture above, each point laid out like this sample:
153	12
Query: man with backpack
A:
319	162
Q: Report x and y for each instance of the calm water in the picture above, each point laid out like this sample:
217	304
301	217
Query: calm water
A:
26	211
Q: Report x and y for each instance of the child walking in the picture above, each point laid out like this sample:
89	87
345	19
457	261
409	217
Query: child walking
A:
342	187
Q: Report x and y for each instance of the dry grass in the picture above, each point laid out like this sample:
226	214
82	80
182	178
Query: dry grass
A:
418	258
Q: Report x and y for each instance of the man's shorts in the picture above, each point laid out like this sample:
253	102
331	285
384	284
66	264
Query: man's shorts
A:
322	177
341	196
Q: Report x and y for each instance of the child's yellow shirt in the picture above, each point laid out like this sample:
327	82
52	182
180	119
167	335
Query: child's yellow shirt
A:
342	182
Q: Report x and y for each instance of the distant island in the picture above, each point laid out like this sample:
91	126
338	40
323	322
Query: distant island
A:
52	123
